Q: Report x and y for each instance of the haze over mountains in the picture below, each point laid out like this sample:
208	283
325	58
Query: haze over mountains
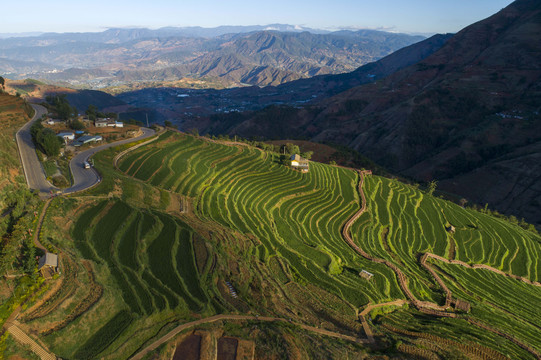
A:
224	56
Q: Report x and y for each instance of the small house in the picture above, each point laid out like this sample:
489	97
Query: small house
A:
119	124
66	136
366	275
48	264
450	229
100	123
299	163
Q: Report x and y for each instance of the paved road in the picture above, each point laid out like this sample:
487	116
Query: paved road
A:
82	178
86	178
33	171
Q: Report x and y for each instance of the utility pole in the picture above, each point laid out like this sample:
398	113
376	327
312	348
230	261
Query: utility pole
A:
147	119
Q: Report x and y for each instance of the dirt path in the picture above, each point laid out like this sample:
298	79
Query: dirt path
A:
424	306
24	339
215	318
366	311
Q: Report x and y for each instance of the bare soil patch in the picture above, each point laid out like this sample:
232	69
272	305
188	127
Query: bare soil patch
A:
227	348
188	349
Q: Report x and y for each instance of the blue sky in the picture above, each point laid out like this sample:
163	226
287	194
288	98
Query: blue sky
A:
414	16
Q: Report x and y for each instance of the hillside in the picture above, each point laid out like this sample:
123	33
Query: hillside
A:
18	209
14	113
186	228
37	91
467	115
124	57
182	103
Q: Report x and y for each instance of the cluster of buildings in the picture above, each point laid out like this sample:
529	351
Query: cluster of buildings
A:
108	123
78	138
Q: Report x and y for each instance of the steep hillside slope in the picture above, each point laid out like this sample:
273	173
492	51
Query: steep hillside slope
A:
36	91
14	113
186	228
468	115
190	108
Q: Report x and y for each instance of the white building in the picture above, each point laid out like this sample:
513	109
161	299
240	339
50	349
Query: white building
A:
66	136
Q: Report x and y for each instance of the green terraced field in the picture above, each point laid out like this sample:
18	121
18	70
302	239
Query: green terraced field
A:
415	224
299	216
294	222
296	216
149	255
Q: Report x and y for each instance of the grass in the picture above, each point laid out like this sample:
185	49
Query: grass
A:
149	255
104	336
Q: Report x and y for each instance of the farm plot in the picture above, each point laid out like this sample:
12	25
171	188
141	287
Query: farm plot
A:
295	216
445	336
299	217
497	300
149	255
401	223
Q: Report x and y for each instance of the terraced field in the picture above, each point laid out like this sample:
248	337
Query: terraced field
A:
297	218
402	223
150	255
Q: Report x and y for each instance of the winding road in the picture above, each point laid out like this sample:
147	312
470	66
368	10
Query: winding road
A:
86	178
33	170
82	178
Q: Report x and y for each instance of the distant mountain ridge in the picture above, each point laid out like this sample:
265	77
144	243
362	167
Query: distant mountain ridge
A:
262	57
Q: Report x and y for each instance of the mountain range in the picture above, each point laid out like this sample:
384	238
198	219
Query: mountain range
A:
251	56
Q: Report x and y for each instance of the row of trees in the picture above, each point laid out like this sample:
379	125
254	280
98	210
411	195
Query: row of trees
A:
45	139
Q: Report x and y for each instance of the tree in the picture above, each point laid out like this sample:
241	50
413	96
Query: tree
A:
431	187
91	112
292	149
46	139
50	143
62	106
76	125
112	115
3	82
307	155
